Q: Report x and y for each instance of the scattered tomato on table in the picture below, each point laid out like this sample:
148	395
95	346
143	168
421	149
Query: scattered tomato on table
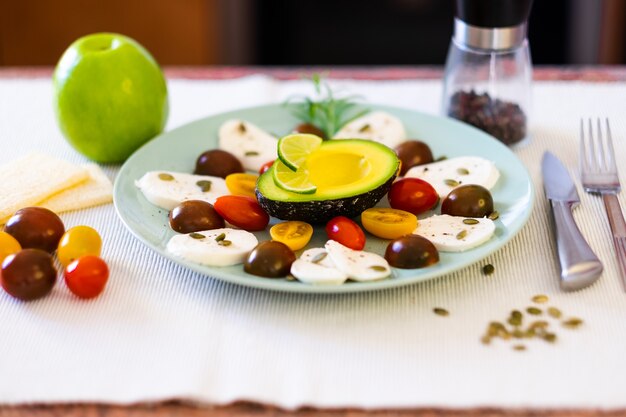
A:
78	241
87	276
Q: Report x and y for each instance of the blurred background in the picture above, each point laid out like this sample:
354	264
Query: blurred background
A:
299	33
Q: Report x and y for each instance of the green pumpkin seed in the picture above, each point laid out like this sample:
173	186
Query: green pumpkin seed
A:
462	171
242	128
572	323
534	311
365	128
224	243
220	237
470	221
319	257
251	153
462	234
204	185
441	158
541	298
450	182
441	311
378	268
494	215
164	176
519	347
488	269
549	337
196	235
554	312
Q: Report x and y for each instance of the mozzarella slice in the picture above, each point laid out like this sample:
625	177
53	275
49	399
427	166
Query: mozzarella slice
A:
208	251
250	144
357	265
319	255
314	273
377	126
450	234
167	193
463	170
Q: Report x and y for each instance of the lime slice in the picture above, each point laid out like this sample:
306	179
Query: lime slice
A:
294	149
294	181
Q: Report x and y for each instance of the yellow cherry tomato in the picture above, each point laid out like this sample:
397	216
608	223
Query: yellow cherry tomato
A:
294	234
388	223
8	246
78	241
242	184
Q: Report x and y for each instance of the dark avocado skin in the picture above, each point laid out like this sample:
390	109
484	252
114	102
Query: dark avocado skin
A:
318	212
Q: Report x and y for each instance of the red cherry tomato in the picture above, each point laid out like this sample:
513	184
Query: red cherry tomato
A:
243	212
346	232
413	195
265	167
87	276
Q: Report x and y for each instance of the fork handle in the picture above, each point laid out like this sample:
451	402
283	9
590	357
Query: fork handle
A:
618	229
580	267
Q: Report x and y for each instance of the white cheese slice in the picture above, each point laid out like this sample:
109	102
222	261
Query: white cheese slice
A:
357	265
320	272
463	170
250	144
208	251
183	187
377	126
443	231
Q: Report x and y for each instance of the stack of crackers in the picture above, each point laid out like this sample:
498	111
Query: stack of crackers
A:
44	181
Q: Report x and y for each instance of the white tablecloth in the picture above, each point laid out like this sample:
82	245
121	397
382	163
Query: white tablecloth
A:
160	331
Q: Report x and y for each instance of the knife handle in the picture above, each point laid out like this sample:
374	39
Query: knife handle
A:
580	267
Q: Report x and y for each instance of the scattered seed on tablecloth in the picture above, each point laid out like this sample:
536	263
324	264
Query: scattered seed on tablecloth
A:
441	311
541	298
572	323
488	269
534	311
554	312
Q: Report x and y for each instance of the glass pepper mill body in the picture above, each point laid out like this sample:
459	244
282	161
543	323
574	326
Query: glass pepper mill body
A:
488	75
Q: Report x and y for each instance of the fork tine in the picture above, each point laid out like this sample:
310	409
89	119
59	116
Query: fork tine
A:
584	155
612	166
603	166
591	147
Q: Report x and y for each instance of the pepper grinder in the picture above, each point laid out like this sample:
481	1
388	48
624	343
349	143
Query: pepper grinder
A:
488	74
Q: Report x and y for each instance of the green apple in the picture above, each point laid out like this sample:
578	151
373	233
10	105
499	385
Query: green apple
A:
110	96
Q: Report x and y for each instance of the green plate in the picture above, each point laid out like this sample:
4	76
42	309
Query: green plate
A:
178	149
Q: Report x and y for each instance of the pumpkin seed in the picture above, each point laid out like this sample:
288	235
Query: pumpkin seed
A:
290	278
441	158
204	185
251	153
488	269
378	268
494	215
554	312
224	243
441	311
519	347
366	127
220	237
485	340
450	182
462	234
572	323
166	177
319	257
541	298
534	311
462	171
518	334
549	337
242	128
196	235
470	221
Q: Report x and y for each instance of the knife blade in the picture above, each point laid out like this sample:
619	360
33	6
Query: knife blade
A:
580	267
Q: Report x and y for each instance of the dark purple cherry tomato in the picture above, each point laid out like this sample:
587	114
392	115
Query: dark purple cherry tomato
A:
346	232
413	152
270	259
194	216
469	200
36	227
28	274
310	129
218	163
411	251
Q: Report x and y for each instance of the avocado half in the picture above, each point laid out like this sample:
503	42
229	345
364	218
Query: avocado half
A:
351	176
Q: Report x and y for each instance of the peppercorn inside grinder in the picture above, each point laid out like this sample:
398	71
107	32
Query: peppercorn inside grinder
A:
488	73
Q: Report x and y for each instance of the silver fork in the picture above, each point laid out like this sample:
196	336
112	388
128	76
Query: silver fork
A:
599	176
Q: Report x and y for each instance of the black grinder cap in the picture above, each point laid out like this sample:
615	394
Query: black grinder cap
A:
493	13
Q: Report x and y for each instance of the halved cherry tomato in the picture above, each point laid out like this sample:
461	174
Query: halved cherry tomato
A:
388	223
242	184
346	232
294	234
243	212
265	167
87	276
413	195
78	241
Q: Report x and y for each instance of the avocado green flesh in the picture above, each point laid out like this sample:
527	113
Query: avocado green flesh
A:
342	200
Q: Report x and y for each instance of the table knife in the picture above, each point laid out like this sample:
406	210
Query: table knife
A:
580	267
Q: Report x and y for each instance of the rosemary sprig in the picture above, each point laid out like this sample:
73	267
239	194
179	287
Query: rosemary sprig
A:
327	112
